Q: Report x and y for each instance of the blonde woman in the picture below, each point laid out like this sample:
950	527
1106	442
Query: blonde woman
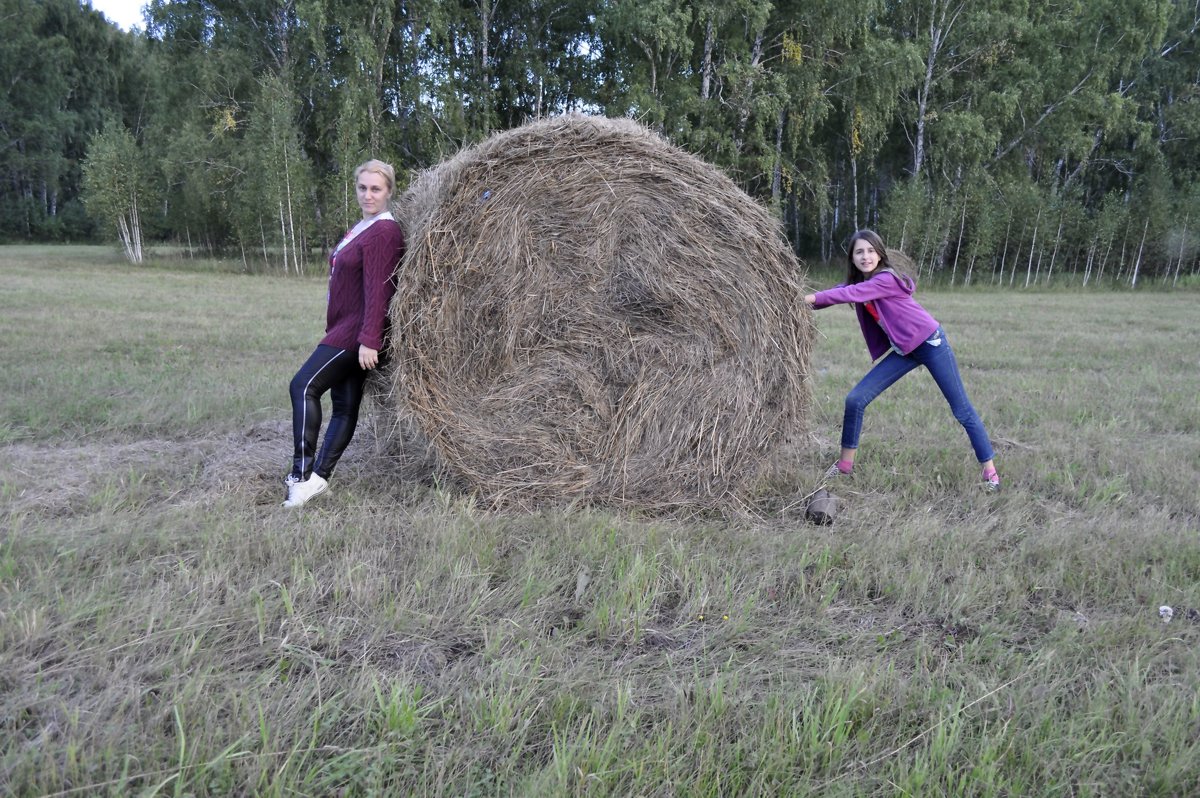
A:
362	281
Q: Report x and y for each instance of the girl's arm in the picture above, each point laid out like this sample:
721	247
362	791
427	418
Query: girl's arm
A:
880	286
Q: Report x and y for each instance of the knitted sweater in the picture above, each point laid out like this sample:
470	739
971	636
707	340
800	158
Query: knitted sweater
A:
362	280
902	322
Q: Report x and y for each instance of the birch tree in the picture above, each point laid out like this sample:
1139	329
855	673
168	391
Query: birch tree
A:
116	183
272	194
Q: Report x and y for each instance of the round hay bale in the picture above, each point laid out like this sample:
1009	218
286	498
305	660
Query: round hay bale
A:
588	313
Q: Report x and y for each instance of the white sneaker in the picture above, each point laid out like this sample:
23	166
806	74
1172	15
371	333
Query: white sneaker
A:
290	479
301	492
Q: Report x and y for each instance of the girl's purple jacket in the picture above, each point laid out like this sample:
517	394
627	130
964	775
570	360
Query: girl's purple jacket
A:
902	321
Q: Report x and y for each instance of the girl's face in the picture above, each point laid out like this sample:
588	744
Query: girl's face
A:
866	259
373	193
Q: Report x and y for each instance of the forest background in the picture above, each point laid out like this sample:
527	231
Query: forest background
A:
1019	141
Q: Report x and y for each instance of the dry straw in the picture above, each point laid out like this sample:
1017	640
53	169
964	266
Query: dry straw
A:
587	313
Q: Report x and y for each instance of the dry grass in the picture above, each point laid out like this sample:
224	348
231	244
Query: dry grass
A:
587	313
166	629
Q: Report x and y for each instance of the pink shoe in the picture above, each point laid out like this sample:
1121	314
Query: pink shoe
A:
842	468
991	480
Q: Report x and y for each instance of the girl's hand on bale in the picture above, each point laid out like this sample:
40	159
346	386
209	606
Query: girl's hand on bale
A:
810	299
368	358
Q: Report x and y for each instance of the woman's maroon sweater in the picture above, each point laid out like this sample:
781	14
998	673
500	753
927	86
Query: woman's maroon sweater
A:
362	280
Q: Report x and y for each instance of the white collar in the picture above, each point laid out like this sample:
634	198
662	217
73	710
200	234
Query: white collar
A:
361	227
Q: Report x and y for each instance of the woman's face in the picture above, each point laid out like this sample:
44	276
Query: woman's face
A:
373	193
866	259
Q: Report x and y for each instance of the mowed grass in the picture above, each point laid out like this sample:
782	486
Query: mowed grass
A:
166	629
97	349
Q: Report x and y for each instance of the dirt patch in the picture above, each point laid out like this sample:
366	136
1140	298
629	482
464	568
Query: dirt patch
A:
55	480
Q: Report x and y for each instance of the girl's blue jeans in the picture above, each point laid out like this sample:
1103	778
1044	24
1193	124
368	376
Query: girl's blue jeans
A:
936	355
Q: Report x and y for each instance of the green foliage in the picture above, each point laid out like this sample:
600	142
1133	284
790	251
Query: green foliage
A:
828	111
65	70
271	200
116	185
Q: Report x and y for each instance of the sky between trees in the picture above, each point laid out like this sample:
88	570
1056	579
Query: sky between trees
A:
125	14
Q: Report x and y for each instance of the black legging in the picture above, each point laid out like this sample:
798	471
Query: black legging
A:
337	371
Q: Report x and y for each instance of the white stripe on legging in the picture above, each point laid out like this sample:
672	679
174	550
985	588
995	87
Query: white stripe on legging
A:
304	414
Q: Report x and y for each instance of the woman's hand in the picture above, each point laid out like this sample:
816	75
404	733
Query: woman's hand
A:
368	358
811	299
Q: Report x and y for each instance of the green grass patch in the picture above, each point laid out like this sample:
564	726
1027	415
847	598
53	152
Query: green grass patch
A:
167	629
144	351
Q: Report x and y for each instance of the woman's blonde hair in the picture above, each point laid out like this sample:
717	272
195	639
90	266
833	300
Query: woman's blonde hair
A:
379	168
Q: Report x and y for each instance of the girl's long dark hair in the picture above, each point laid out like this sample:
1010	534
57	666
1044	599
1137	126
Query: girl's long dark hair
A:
853	275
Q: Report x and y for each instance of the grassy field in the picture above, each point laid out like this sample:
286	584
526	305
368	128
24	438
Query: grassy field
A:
167	629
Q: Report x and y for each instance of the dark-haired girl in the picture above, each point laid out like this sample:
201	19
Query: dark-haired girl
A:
900	335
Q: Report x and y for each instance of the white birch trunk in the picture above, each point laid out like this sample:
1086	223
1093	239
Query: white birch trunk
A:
1054	254
1182	242
1137	265
962	226
1032	245
283	238
706	67
1004	253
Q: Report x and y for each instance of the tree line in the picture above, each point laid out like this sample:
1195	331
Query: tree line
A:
999	140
